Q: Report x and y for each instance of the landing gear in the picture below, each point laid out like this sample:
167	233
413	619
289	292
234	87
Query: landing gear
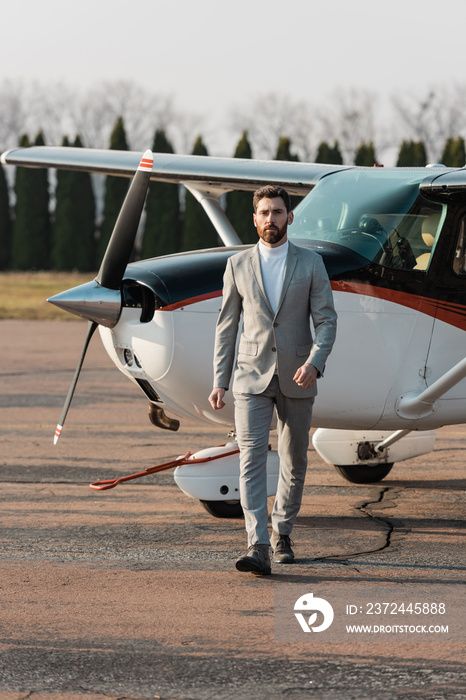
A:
364	474
367	456
224	509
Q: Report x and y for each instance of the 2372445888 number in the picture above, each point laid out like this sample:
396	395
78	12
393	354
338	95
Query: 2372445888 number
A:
405	609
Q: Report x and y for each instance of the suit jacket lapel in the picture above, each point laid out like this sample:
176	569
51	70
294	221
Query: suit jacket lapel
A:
256	269
291	260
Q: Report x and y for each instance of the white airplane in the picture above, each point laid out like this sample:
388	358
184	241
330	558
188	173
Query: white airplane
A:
394	244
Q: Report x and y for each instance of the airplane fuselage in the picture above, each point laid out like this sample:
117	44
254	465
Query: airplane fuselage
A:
391	250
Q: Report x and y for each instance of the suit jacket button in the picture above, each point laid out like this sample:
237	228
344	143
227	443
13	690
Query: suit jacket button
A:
274	349
275	325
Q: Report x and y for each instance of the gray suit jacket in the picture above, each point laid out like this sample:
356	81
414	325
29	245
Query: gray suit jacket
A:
268	340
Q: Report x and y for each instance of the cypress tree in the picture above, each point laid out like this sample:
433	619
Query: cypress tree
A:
284	150
454	155
329	154
447	152
365	155
115	190
412	154
63	243
284	153
74	225
198	229
420	154
5	223
404	154
32	229
84	212
20	238
162	226
239	208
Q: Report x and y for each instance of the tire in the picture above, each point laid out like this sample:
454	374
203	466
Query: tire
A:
364	474
224	509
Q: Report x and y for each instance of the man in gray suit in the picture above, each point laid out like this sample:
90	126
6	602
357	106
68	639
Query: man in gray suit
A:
276	287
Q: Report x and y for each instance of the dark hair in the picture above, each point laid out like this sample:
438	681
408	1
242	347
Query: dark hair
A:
270	192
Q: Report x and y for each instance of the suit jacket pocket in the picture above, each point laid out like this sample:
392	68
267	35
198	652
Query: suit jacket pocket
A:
303	350
247	348
300	280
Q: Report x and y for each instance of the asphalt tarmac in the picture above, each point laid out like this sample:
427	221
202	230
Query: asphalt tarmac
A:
132	593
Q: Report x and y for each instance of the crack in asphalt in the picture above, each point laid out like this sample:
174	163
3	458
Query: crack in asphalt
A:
386	523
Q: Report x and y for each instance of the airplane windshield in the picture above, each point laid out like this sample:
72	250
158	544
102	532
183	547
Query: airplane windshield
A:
382	216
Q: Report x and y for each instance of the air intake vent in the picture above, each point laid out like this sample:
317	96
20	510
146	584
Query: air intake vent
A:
136	296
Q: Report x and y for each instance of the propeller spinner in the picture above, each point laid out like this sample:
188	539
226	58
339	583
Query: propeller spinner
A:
100	300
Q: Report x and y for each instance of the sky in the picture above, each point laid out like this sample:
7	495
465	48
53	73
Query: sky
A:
211	54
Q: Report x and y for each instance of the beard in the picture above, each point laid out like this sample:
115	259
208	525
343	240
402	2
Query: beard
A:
272	234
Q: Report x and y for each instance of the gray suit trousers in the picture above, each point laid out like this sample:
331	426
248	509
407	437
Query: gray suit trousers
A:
253	416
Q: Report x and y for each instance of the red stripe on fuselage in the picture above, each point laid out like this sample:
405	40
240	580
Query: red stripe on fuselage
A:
192	300
448	312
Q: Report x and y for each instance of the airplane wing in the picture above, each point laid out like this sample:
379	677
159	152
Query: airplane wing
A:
200	172
207	178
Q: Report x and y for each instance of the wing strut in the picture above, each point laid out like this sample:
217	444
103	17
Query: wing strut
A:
208	198
413	405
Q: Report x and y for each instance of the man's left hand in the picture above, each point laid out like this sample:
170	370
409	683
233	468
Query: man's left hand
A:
306	376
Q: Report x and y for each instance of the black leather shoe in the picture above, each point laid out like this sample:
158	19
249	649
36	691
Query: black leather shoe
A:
256	560
282	552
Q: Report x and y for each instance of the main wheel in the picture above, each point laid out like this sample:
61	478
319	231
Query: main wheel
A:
224	509
364	473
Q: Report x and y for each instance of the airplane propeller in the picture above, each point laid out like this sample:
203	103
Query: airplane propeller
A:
100	301
121	242
90	332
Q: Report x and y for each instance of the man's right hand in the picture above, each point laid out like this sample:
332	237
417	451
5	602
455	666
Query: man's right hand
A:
216	398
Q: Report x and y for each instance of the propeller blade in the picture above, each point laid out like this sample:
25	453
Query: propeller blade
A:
111	270
90	332
121	242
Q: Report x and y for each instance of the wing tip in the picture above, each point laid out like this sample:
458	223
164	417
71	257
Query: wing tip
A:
4	156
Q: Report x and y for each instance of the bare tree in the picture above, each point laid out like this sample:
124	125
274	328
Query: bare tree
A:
349	118
51	108
433	117
30	108
13	113
60	110
143	112
270	116
185	129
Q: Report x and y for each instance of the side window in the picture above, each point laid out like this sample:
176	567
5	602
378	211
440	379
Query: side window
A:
424	240
411	240
459	262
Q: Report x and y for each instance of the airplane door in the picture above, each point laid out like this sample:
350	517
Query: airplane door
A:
448	276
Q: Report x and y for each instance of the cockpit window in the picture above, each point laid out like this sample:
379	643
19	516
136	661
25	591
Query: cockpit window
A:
381	216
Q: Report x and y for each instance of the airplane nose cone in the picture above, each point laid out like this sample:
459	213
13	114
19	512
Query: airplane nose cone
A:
91	301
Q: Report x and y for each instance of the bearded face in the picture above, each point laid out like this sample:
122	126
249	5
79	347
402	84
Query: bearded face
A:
271	220
270	233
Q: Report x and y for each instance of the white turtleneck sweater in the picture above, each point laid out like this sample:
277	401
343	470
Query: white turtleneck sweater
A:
273	261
